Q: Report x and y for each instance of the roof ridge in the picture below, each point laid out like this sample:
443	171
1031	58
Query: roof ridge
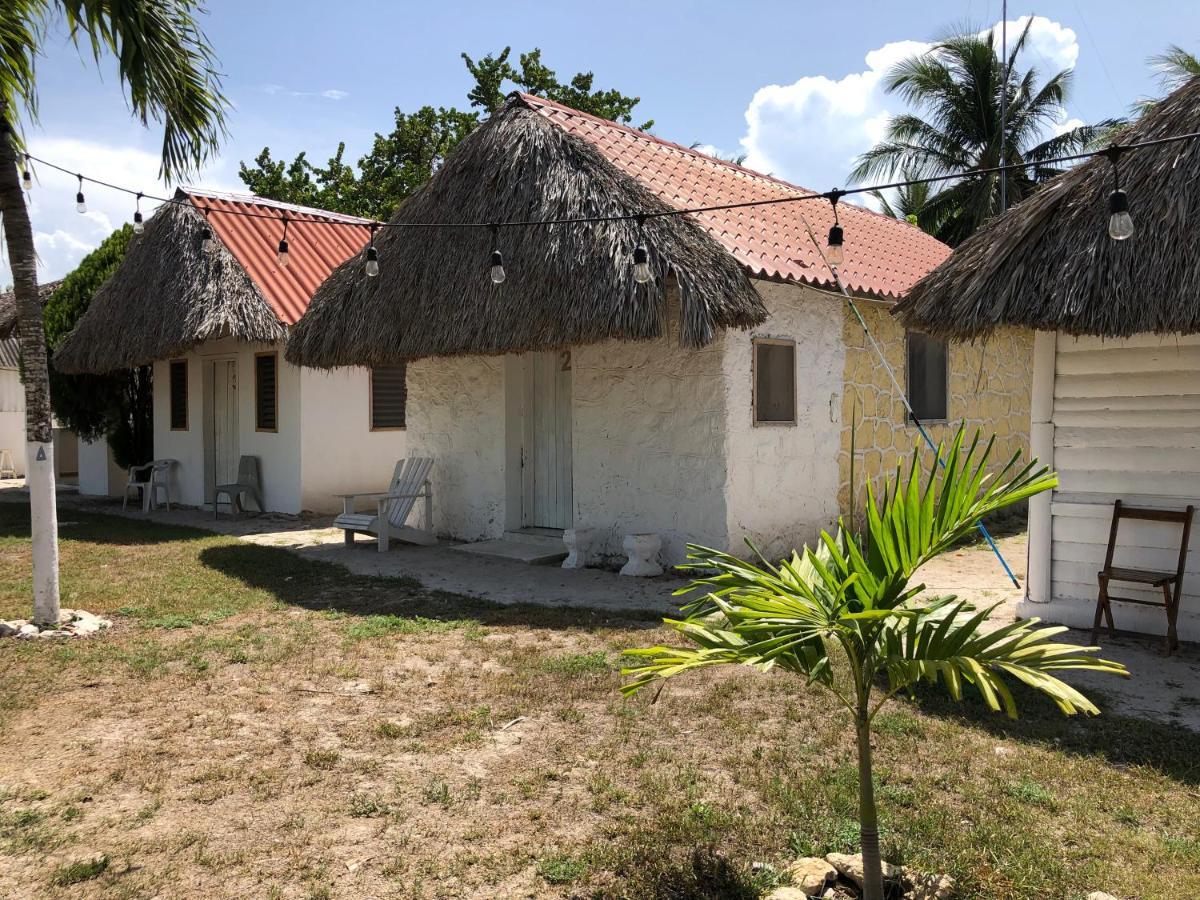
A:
254	200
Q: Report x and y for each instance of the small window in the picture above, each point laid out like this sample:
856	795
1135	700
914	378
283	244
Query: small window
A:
179	395
389	395
927	369
266	392
774	382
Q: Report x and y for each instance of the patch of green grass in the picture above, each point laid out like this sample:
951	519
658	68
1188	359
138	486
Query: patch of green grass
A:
560	869
1031	792
385	625
366	806
438	792
576	663
321	759
79	871
897	722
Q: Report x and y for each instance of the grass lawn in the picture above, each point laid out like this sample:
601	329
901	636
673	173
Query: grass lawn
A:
258	725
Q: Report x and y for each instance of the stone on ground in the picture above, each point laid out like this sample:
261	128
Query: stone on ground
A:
787	893
810	874
851	867
1100	895
928	887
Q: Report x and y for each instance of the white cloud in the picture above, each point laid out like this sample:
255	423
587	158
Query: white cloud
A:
811	131
327	94
62	236
335	94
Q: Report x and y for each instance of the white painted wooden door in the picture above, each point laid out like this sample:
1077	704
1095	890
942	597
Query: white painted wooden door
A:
225	422
546	457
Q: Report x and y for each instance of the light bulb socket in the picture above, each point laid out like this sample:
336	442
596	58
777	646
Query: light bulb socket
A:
836	236
283	246
372	255
497	258
1118	202
138	225
640	255
80	203
26	180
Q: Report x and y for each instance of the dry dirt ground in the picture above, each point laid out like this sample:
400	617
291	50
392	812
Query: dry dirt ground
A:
260	724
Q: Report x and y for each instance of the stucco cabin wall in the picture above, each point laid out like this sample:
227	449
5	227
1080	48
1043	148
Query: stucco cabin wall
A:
456	416
339	452
782	478
989	388
649	432
278	452
12	417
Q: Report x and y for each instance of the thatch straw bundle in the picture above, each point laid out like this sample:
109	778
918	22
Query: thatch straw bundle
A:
567	284
166	297
8	307
1048	263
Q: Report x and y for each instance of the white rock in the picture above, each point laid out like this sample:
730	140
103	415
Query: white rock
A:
786	893
929	886
28	630
53	633
7	629
1100	895
851	867
810	874
65	615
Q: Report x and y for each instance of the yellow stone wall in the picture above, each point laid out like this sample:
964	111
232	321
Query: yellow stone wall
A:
990	384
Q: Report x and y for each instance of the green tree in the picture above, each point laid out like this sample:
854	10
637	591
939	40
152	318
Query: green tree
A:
955	89
908	203
116	406
401	161
168	70
1174	68
860	607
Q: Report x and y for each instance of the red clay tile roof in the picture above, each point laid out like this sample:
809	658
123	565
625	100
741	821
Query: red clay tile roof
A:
314	250
884	257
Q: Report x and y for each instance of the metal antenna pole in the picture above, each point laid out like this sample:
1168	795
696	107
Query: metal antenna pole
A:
1003	103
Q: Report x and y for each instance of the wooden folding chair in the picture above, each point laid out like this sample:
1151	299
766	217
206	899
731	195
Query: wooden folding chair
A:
1171	583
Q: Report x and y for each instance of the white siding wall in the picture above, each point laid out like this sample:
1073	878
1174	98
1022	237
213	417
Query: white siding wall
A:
339	452
1126	425
456	416
782	480
12	417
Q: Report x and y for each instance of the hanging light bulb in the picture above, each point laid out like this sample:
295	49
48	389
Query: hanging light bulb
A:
282	256
26	177
641	257
138	225
1120	223
372	266
833	247
497	270
206	234
80	203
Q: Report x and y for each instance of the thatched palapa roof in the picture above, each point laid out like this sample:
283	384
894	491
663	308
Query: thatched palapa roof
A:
8	307
167	296
1048	263
566	284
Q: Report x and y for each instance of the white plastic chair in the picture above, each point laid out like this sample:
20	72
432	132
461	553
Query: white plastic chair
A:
410	481
157	482
249	482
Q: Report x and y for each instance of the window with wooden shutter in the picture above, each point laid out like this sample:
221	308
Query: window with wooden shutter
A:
266	392
928	365
774	382
178	390
389	394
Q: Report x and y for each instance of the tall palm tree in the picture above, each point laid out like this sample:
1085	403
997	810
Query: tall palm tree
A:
1174	67
955	89
168	70
851	621
909	203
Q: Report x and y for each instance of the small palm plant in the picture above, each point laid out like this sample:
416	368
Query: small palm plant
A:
855	601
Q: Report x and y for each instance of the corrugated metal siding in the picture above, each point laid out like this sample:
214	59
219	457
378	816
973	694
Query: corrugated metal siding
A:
315	249
1127	426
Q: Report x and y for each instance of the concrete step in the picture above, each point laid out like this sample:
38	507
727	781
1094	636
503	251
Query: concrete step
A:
551	538
518	551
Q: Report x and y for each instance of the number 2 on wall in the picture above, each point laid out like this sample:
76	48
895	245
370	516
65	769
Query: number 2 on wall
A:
565	358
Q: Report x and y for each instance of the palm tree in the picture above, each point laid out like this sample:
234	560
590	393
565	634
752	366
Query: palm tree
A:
909	203
167	67
861	606
1175	67
955	88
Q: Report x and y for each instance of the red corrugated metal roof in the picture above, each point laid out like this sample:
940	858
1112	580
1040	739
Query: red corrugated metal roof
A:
883	256
314	250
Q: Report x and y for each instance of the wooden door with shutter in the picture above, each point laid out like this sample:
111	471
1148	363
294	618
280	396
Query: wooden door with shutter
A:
546	445
223	448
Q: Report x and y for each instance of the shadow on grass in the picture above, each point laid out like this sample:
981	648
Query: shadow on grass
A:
320	585
706	875
1121	740
97	528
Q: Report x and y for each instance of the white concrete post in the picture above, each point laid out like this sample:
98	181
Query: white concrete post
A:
39	478
1041	445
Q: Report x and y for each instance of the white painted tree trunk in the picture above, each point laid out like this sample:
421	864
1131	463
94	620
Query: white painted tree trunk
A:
39	477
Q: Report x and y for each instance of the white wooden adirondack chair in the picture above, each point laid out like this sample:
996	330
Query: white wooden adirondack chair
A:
392	507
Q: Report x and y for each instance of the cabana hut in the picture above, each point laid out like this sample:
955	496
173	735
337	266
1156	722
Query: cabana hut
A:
711	403
214	322
1116	367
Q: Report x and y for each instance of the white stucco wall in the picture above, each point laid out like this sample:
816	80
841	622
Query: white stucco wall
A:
649	433
278	452
12	417
339	452
456	416
99	475
782	479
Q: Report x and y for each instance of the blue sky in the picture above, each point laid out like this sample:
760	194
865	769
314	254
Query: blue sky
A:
792	84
